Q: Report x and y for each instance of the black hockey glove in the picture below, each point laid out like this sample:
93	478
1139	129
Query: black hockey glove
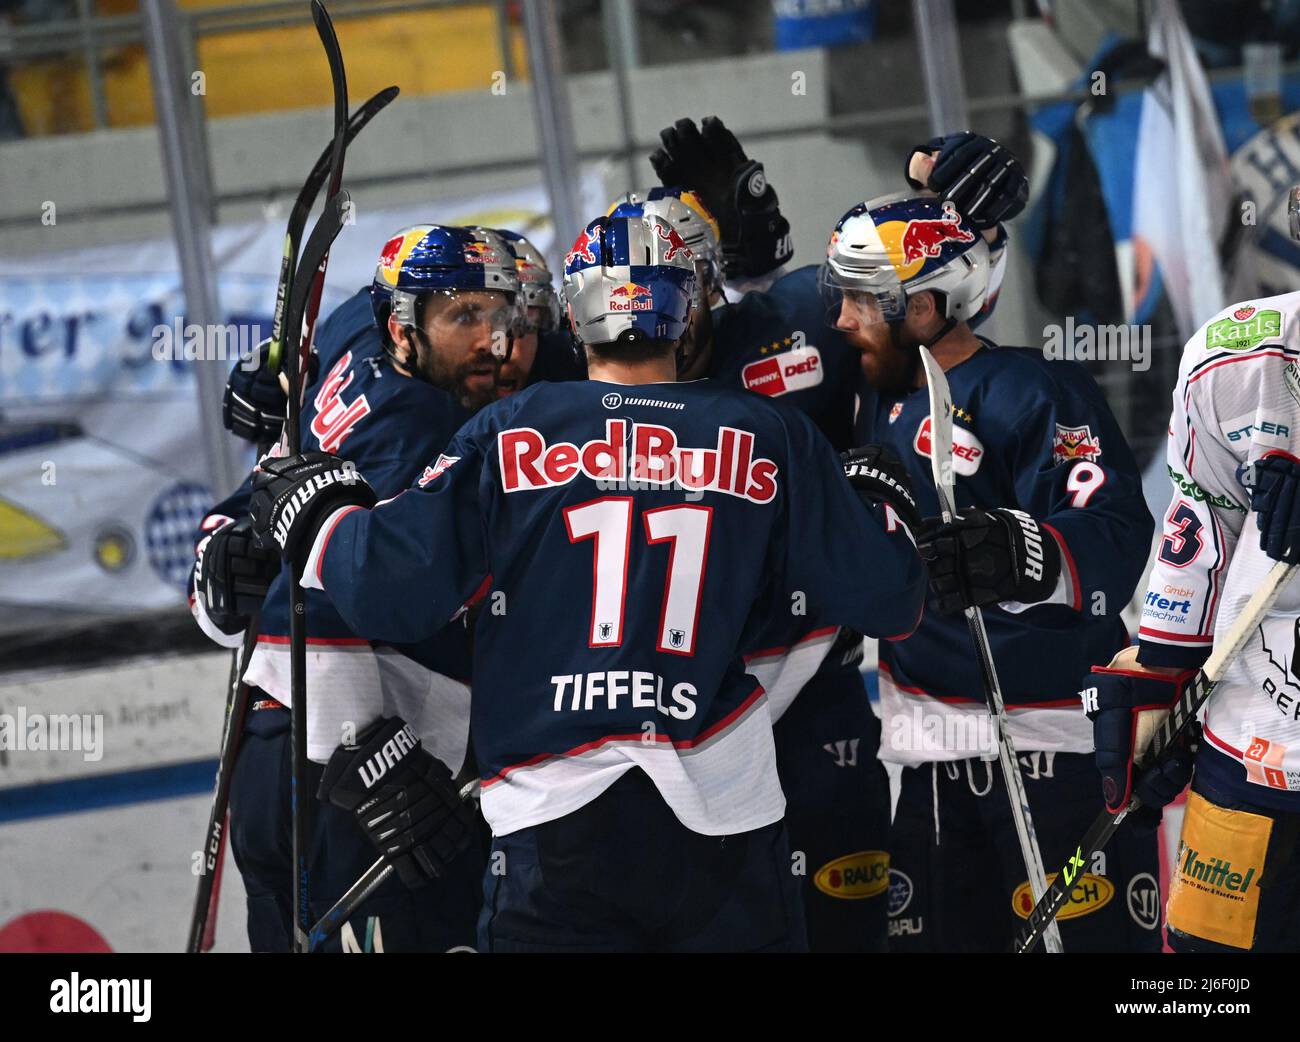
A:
232	575
880	477
293	495
709	161
1276	479
402	797
982	178
254	404
989	556
1126	705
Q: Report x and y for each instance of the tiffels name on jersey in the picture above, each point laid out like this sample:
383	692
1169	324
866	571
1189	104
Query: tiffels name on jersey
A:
1246	328
655	459
967	450
792	370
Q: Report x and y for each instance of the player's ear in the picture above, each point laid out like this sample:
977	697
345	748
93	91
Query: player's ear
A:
396	332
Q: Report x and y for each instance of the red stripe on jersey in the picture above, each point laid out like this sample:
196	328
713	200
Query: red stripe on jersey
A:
1077	593
1162	636
782	649
1060	703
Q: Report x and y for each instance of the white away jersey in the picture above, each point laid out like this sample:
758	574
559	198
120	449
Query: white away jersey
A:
1238	397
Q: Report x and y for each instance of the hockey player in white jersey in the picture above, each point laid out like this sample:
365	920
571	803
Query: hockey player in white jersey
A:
1234	439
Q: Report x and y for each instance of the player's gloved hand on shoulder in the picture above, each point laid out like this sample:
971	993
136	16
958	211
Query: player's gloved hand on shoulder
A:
1276	480
709	161
232	575
403	798
254	403
880	477
293	495
1127	704
978	175
989	556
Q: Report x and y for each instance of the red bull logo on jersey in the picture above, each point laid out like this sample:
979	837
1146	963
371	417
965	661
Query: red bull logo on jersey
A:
676	244
441	464
778	374
336	417
967	449
924	239
1075	443
638	454
583	248
631	296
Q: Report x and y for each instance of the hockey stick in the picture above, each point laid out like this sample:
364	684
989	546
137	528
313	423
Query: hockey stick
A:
204	917
302	208
299	325
370	881
1180	717
941	468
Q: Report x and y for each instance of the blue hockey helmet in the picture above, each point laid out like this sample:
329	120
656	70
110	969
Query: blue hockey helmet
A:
887	248
686	212
429	258
629	277
535	280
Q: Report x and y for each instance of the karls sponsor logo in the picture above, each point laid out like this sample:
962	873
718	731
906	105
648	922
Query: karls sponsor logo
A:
72	994
854	876
1086	896
1075	443
967	449
391	753
528	463
1243	333
612	689
631	296
440	465
335	418
1213	874
793	370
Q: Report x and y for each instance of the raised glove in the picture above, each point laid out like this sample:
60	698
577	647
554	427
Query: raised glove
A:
1126	705
987	557
978	175
403	798
254	403
293	495
1276	478
880	477
709	161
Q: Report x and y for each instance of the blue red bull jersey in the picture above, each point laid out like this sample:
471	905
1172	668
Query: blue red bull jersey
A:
1037	436
629	542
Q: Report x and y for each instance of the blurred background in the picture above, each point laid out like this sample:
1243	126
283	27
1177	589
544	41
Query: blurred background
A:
150	152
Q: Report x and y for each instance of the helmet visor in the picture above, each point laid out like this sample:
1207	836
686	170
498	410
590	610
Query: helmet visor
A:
862	298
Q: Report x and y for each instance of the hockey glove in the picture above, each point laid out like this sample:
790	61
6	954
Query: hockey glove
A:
402	797
254	404
982	179
880	477
709	161
293	495
1276	505
1126	705
232	575
987	557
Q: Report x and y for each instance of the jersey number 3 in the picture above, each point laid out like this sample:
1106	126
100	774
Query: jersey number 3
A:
608	522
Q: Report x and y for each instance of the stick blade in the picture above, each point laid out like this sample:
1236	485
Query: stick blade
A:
940	431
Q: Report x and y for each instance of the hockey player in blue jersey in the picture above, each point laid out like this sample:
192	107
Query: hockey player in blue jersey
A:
774	341
1051	539
396	380
631	533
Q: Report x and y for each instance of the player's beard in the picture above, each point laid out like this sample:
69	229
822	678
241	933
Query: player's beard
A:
472	381
890	359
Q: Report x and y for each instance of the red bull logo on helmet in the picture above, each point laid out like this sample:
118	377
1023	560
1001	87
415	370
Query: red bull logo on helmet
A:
583	248
676	244
481	253
631	296
925	238
396	250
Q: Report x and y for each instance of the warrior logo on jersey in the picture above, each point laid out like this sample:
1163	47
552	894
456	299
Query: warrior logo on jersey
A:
443	462
967	449
1075	443
793	370
335	417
